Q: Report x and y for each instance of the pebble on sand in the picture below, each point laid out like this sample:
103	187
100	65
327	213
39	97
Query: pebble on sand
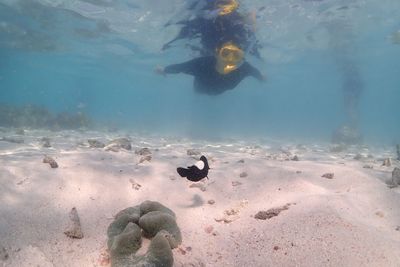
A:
45	142
396	176
387	162
295	158
143	151
3	254
368	166
243	174
117	144
263	215
328	175
74	230
145	158
236	183
51	161
135	185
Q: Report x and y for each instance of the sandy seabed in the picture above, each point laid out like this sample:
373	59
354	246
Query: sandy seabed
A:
352	219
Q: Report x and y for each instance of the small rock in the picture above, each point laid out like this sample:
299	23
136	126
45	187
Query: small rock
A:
276	248
226	219
211	202
116	144
328	175
387	162
231	212
143	152
45	142
398	228
236	183
74	230
172	177
380	214
295	158
135	185
95	143
368	166
193	152
51	161
241	161
263	215
145	158
299	172
396	176
243	174
3	254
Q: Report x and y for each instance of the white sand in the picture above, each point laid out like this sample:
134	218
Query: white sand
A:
350	220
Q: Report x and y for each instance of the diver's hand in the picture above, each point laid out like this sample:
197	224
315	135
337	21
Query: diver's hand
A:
159	70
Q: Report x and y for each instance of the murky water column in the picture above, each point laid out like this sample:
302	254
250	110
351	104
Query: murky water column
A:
345	55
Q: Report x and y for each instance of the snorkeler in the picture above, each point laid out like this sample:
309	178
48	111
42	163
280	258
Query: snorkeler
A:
216	74
217	23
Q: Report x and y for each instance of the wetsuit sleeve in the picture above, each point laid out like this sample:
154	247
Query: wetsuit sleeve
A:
188	67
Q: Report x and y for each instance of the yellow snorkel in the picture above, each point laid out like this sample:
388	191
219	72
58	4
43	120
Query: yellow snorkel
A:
227	6
229	58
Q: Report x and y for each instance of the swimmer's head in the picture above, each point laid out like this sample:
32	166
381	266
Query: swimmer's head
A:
226	6
229	58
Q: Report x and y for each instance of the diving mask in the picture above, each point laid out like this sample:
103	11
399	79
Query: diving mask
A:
229	58
227	6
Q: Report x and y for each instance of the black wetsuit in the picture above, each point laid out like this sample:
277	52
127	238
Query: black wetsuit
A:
208	80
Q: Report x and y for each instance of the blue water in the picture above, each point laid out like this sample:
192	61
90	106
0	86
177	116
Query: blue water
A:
54	57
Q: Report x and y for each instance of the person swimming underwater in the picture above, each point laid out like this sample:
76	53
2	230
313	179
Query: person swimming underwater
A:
213	75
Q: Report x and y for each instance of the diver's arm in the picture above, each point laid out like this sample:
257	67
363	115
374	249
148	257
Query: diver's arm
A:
188	67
